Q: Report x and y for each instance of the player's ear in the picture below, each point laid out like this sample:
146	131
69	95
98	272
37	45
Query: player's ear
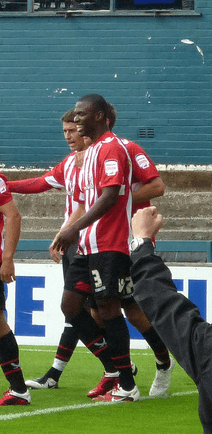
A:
99	116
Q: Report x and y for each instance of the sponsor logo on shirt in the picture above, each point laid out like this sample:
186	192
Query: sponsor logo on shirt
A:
3	187
142	161
111	167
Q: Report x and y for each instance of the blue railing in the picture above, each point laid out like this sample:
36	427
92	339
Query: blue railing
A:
162	246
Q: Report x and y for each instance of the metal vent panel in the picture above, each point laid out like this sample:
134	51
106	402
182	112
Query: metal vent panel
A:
146	133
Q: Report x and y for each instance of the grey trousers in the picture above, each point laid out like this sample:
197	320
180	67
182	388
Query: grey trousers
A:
177	321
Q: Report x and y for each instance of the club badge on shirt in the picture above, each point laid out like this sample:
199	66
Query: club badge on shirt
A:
111	167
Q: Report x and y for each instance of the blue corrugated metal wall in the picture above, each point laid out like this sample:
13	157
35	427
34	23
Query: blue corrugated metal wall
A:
138	63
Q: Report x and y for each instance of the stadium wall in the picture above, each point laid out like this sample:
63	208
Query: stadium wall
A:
160	86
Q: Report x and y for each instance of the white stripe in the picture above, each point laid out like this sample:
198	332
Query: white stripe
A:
78	351
84	406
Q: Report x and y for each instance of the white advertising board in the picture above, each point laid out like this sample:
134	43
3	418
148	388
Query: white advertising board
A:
33	301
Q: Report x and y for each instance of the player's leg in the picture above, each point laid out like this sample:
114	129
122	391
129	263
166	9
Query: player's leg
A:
10	364
67	344
110	378
79	289
106	271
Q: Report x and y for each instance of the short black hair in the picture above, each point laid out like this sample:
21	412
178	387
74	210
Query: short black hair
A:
111	116
68	116
98	100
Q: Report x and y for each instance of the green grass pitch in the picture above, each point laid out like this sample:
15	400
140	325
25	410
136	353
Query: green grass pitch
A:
67	410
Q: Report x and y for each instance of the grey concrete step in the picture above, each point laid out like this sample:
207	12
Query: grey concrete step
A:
184	204
193	234
47	204
187	223
41	224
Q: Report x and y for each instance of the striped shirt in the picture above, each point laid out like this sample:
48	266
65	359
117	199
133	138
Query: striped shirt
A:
106	164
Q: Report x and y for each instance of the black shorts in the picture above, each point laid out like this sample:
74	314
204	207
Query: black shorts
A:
103	274
127	299
68	258
2	297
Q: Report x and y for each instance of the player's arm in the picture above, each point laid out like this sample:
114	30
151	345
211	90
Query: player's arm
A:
79	212
103	204
154	188
29	186
13	228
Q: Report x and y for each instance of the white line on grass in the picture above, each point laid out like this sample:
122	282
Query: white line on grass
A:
83	406
87	352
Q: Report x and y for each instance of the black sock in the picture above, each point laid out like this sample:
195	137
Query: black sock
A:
157	345
9	360
66	347
91	335
119	345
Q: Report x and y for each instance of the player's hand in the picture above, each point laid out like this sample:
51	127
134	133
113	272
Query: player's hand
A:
7	271
146	222
54	254
64	239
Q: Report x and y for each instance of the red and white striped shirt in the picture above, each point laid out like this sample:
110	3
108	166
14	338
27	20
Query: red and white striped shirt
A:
106	163
5	197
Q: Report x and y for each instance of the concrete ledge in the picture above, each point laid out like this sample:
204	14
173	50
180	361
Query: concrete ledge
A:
190	177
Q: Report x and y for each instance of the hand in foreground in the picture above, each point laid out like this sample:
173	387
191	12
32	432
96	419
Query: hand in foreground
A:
146	222
64	239
7	271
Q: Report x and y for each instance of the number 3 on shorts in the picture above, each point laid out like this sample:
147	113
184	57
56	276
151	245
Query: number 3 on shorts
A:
97	279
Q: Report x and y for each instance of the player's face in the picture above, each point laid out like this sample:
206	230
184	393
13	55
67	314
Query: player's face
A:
74	140
85	118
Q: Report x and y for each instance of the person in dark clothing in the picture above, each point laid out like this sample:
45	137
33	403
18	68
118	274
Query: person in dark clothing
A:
175	318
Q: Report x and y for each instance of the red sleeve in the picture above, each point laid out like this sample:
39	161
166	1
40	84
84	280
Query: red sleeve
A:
142	166
29	186
52	179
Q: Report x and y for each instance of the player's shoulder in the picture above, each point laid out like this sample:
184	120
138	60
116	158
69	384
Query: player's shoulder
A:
132	146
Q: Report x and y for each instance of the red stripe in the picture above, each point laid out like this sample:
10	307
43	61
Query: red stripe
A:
62	358
96	340
123	366
101	349
84	287
64	348
12	372
11	361
120	357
